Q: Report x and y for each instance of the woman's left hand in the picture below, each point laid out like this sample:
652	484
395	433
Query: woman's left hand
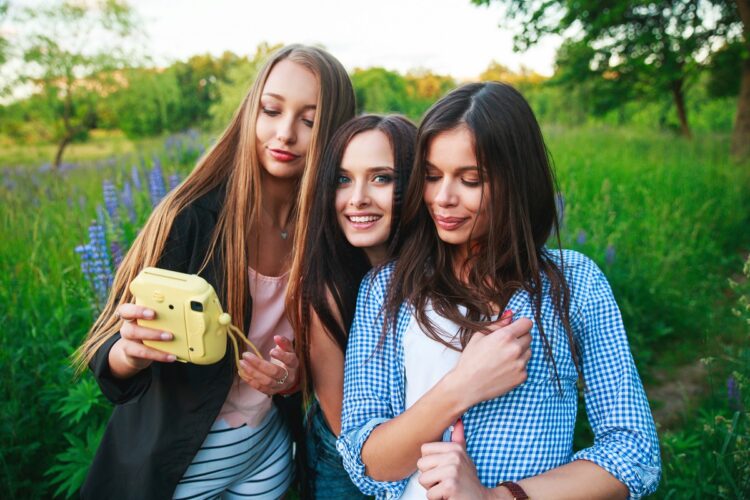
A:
447	472
275	376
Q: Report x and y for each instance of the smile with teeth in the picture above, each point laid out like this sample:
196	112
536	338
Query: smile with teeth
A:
363	219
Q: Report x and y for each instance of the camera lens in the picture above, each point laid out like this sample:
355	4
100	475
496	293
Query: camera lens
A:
196	306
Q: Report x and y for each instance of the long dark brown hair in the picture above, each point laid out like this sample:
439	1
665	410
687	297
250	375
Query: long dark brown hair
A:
327	266
514	162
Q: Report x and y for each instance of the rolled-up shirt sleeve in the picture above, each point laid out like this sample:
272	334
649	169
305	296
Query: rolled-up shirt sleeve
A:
368	395
625	440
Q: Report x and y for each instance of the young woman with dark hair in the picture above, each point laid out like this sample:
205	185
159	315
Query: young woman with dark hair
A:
181	430
432	347
353	224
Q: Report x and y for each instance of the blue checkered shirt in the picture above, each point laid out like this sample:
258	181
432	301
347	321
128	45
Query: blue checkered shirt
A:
530	429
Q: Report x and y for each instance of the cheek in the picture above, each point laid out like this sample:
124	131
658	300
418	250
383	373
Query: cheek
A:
261	129
340	201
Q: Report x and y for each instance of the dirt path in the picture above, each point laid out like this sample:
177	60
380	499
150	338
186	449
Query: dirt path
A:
674	394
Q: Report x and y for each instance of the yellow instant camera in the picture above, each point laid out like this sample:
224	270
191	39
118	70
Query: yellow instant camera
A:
187	306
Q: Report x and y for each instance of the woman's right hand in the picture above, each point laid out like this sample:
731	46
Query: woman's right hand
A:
493	363
129	355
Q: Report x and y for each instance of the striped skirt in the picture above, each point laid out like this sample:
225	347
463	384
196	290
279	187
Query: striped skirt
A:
241	463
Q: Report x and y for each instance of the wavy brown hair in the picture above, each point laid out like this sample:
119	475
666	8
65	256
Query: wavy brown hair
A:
513	160
231	162
326	265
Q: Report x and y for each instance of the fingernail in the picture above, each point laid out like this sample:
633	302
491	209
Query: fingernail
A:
171	357
166	336
507	313
148	313
247	355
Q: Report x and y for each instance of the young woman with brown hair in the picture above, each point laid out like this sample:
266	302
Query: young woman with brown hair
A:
184	430
353	224
430	348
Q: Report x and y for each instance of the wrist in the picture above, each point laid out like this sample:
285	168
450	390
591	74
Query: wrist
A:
454	392
508	490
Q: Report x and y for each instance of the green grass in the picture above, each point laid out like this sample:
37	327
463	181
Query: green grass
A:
675	212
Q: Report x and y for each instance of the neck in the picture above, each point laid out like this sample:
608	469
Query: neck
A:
279	196
377	254
459	259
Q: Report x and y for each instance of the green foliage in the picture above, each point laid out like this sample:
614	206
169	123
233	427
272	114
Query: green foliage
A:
149	105
235	86
70	52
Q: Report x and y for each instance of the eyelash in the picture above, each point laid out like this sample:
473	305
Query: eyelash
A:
386	179
465	182
273	112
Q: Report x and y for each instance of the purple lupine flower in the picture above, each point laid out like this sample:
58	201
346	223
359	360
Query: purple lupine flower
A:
560	209
156	183
174	181
110	199
733	394
84	251
128	201
581	237
101	265
135	174
609	254
101	215
117	254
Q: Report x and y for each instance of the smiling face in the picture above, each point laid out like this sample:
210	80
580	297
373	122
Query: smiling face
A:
283	129
453	189
364	197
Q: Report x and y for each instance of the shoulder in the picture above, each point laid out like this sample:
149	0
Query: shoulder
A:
578	269
205	207
378	279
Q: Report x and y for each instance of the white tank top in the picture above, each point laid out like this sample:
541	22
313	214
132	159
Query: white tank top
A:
426	361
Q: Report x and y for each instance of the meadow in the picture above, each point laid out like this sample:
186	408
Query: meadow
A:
664	217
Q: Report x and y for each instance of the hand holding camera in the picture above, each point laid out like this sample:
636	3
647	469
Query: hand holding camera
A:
130	355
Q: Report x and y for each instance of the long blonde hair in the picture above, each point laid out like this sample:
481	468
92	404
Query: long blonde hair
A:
233	161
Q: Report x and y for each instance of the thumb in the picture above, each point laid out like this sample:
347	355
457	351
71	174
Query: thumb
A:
504	320
457	436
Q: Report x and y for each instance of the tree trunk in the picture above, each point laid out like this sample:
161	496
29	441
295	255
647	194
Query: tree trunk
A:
740	148
60	148
679	102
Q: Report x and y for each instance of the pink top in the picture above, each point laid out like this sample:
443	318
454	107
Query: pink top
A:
245	405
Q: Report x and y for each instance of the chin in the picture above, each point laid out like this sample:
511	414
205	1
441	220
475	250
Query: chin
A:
452	238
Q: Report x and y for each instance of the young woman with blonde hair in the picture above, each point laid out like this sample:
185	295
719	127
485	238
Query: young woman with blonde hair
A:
188	431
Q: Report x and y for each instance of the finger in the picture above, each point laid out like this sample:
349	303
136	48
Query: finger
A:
438	492
286	358
267	368
132	312
433	477
438	447
252	372
517	329
457	436
132	331
140	351
283	343
524	341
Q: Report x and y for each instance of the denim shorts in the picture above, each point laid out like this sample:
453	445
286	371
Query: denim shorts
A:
328	477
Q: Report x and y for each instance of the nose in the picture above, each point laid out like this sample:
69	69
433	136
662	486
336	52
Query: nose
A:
285	131
446	197
360	198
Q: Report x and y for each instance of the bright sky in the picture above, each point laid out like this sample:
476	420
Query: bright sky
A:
445	36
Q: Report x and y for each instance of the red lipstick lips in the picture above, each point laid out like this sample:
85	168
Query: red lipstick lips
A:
282	156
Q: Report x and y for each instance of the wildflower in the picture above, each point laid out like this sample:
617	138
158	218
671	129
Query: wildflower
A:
156	183
128	201
609	254
560	209
581	237
733	393
174	181
136	176
110	199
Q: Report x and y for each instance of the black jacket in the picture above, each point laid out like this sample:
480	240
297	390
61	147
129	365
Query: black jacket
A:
163	414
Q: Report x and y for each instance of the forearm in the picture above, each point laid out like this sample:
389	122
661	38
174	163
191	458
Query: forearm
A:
576	480
392	450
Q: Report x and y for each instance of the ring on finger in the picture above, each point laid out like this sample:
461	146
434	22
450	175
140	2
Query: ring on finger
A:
280	381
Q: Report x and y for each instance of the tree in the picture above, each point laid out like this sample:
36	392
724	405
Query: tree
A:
653	47
3	41
379	90
72	52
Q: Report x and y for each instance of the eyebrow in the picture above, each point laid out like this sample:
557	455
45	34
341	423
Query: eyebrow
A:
459	169
373	169
281	98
